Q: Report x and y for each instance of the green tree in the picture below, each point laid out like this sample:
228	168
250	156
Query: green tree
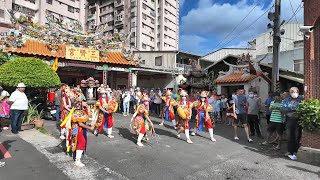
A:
3	57
33	72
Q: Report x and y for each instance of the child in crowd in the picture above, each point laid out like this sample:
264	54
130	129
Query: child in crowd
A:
4	112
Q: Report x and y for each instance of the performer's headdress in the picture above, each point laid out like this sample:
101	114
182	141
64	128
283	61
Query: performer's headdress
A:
183	93
204	94
102	91
168	92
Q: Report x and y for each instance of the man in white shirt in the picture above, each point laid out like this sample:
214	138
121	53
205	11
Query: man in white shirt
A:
19	104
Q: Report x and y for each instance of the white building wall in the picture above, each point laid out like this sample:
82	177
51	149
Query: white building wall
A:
291	35
221	53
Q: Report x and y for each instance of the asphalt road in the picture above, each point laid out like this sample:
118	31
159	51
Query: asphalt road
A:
26	162
167	157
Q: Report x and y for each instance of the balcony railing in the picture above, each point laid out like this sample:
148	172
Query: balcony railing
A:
184	67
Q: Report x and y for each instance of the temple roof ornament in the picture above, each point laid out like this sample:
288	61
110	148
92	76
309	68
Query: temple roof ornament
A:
244	70
57	32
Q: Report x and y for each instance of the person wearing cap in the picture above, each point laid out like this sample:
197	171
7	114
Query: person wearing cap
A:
19	104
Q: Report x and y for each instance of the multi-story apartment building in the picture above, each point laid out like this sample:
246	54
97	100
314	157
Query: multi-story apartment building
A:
69	9
153	24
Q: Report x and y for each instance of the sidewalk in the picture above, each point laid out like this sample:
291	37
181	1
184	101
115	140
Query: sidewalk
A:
24	161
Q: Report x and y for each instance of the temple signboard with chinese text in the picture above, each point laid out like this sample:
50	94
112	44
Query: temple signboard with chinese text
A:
82	54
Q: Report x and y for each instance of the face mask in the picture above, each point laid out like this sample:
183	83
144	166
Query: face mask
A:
184	98
251	95
295	95
255	95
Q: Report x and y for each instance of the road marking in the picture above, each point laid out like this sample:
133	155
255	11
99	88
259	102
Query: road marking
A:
4	151
92	171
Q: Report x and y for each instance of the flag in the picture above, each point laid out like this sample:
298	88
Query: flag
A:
55	64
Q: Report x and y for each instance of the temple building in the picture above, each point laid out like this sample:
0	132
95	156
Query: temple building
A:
244	75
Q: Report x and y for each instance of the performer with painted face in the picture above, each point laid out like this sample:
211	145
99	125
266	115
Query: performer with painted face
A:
140	123
105	119
184	111
75	124
203	119
168	112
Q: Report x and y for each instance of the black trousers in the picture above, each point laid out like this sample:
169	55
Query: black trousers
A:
294	134
268	118
157	108
253	121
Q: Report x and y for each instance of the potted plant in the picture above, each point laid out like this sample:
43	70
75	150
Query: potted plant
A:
38	122
27	122
309	119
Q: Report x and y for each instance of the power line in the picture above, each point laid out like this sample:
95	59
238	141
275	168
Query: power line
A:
294	14
235	27
293	11
246	28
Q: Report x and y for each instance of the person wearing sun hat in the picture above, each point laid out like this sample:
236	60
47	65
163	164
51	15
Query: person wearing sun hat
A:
184	110
203	119
19	104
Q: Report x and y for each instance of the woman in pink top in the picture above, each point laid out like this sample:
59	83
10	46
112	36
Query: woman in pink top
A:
4	113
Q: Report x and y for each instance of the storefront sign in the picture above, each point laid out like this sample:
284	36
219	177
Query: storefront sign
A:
118	69
105	77
129	79
73	64
82	54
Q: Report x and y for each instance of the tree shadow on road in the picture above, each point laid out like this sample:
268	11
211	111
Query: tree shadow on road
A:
268	150
7	145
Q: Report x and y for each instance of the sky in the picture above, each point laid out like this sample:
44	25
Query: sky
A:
208	25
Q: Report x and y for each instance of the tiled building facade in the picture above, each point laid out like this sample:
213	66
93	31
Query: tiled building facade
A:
153	24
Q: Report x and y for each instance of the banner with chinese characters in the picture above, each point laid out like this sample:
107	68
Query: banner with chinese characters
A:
82	54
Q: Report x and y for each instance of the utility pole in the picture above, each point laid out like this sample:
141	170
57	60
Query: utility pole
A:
276	45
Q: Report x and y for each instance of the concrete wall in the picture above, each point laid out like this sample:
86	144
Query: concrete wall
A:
286	58
168	59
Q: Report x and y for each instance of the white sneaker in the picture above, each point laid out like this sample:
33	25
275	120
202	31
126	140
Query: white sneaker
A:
189	141
161	124
178	135
293	157
250	140
213	139
110	136
140	144
175	128
236	138
79	164
193	134
62	137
